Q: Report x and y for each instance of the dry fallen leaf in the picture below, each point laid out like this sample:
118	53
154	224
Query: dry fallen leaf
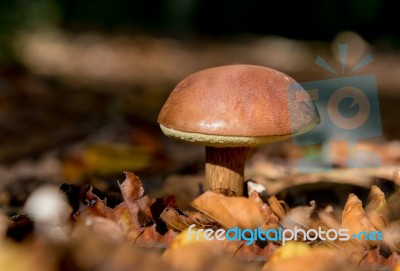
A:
174	220
355	219
132	190
271	220
125	214
376	208
128	222
93	205
276	207
230	212
151	238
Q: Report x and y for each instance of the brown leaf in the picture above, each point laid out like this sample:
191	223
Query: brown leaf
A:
93	205
126	219
376	208
137	203
151	238
201	220
174	220
131	188
230	211
355	219
276	207
144	205
271	220
181	220
128	222
156	210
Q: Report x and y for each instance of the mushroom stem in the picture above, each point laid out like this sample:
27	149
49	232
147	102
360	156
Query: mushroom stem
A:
225	168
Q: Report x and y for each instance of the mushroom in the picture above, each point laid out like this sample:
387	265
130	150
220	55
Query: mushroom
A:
230	109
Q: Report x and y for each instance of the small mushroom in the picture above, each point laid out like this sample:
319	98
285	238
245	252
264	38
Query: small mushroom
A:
230	109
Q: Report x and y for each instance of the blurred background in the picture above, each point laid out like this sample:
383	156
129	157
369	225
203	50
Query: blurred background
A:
82	82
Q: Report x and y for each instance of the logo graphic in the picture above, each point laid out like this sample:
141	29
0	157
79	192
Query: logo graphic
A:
349	111
279	235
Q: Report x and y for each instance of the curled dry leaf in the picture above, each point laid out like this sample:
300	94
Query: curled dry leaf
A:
151	238
157	208
230	212
174	219
201	220
93	205
123	215
144	203
271	220
181	220
376	208
355	219
131	190
276	207
127	222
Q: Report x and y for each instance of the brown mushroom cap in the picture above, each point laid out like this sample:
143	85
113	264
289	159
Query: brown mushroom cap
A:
237	105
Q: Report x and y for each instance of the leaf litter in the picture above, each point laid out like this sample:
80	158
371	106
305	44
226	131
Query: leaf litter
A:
106	232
